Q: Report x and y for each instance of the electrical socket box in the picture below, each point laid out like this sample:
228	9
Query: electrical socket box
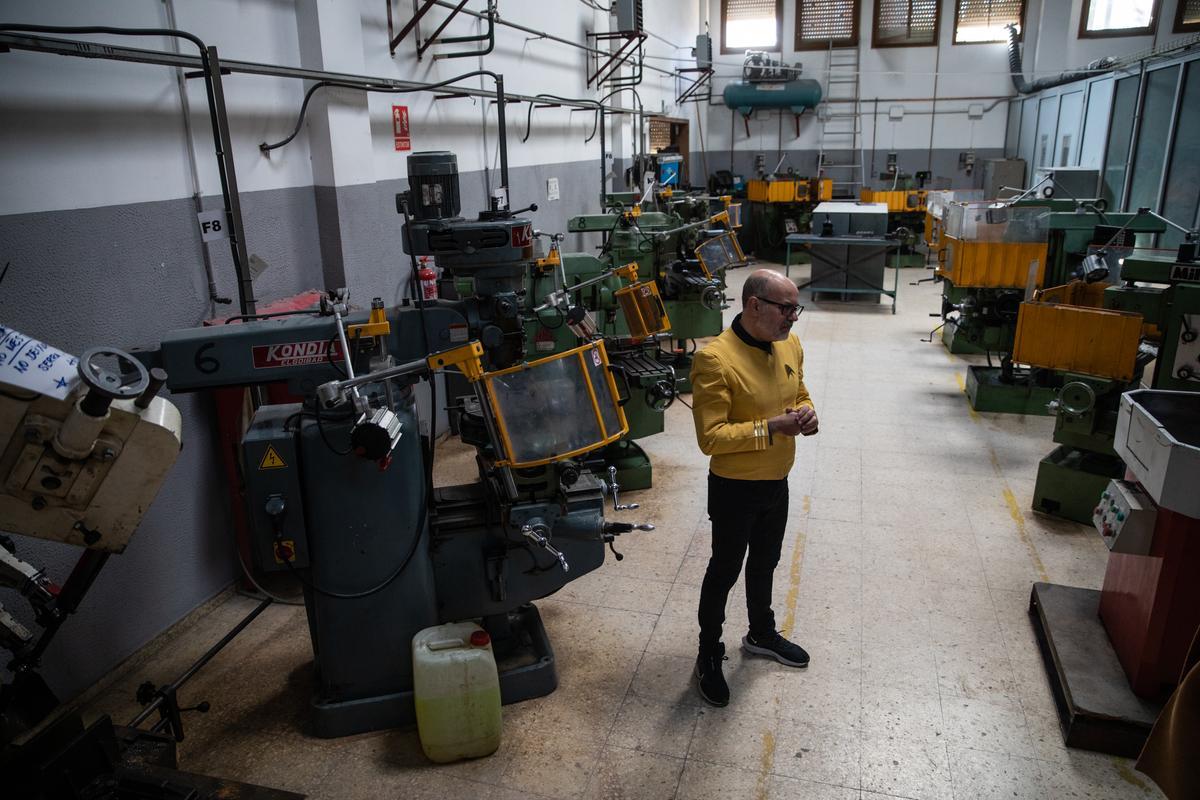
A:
1125	518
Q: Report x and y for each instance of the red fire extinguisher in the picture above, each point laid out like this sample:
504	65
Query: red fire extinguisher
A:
427	275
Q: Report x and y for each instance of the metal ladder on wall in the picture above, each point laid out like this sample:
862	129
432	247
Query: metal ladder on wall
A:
841	157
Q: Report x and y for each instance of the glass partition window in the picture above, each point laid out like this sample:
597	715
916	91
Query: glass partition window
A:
1154	134
1095	123
1029	120
1120	131
1118	18
1070	108
1047	124
1180	197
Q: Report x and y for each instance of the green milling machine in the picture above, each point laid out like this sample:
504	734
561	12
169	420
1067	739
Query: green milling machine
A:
682	254
1100	340
995	255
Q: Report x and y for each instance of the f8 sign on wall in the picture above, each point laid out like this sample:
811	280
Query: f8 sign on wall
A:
400	128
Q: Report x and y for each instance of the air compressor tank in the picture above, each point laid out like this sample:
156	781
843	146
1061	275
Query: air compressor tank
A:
796	95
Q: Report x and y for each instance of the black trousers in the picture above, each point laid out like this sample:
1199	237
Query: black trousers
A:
746	516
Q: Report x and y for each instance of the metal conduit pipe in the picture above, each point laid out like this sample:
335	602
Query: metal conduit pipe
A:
1025	87
545	35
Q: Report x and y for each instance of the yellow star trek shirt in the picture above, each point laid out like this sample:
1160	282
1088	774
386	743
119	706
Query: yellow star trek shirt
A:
738	383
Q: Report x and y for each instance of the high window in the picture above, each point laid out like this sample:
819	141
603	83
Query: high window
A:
905	23
750	25
1187	16
977	21
820	23
1117	18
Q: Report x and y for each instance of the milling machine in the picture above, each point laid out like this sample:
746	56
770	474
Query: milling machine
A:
995	254
340	486
1099	339
687	261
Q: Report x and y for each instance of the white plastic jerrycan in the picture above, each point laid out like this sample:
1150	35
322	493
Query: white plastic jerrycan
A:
456	690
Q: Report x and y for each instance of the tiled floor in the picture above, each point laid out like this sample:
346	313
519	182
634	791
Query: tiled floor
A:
906	572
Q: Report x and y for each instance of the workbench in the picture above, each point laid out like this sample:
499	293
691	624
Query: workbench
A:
846	265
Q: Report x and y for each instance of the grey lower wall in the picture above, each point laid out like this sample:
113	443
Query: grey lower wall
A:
125	275
943	163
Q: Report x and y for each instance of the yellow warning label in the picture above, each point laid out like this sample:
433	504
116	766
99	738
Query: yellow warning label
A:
271	459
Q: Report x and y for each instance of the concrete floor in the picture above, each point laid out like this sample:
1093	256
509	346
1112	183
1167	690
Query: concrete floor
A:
906	573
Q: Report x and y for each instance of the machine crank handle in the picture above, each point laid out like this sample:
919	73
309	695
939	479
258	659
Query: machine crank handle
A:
617	528
615	489
616	555
536	533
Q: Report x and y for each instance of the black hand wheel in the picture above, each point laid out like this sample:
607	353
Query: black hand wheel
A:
661	395
113	374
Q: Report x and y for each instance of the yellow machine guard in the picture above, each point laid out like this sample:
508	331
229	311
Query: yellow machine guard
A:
602	401
898	200
992	265
797	191
645	312
1071	338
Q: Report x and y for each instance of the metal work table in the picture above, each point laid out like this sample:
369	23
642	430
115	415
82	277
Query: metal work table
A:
868	247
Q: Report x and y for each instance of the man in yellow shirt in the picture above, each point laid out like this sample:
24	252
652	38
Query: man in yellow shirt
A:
749	403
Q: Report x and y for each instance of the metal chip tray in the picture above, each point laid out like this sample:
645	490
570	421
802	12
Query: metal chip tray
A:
1158	436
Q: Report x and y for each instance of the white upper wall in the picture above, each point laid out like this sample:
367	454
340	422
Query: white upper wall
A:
965	71
80	133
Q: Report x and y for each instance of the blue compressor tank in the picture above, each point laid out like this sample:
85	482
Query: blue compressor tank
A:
797	95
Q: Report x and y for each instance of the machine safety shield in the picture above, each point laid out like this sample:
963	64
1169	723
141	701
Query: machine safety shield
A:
556	407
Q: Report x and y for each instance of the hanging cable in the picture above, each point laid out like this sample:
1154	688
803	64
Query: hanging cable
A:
365	87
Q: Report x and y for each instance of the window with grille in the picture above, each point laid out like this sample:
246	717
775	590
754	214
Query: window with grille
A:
1187	16
1117	18
750	25
905	23
822	22
978	21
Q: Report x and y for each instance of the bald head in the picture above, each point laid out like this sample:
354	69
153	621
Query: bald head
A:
761	281
769	305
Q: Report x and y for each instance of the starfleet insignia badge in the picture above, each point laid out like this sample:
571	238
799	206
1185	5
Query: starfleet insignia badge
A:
791	372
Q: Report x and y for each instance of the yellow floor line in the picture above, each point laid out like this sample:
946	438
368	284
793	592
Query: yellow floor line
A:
962	387
789	619
1010	499
807	504
1015	511
1127	774
766	763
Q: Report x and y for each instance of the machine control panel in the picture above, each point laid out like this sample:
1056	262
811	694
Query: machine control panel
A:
270	471
1125	518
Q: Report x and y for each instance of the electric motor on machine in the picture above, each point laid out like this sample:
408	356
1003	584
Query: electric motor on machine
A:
433	184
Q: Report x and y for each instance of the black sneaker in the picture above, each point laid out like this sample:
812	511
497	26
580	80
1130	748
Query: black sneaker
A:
709	678
778	648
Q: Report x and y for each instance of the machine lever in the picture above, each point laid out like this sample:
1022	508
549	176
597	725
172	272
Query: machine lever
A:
536	533
615	488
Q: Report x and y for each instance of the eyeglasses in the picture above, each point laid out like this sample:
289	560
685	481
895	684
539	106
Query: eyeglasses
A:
787	309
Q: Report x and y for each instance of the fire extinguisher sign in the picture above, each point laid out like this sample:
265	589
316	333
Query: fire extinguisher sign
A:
400	128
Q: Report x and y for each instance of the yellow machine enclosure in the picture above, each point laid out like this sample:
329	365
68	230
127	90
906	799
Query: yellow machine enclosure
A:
992	265
645	313
1068	338
898	200
760	191
557	407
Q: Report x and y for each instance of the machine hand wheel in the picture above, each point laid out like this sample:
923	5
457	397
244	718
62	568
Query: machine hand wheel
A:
113	374
661	395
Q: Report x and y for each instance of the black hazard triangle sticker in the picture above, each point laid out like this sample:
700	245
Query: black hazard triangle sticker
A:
271	459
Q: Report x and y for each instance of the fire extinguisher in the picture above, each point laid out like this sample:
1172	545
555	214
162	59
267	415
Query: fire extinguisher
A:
427	275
